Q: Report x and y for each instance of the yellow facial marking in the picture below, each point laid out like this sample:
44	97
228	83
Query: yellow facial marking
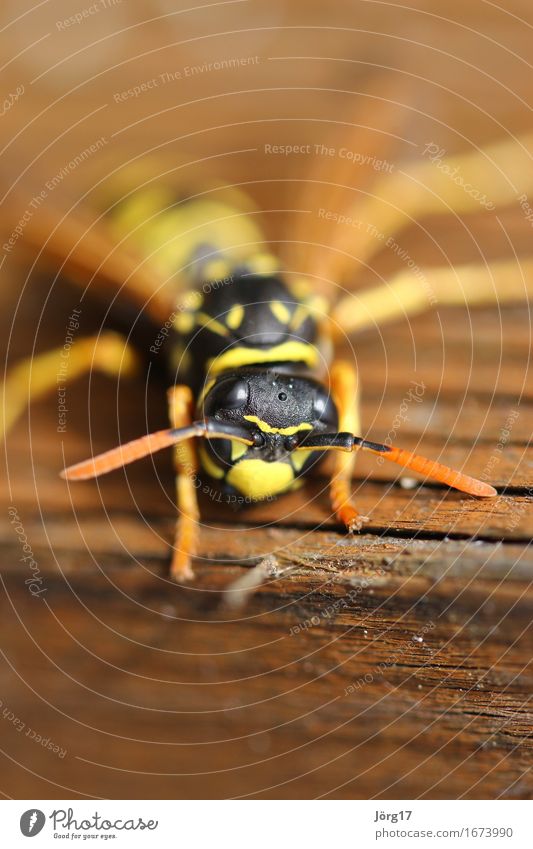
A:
293	351
237	450
285	431
298	458
235	316
280	311
209	465
258	479
211	324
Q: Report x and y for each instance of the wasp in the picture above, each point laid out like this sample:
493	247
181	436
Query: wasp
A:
257	394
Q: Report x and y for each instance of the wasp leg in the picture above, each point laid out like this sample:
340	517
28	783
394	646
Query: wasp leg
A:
345	393
180	405
405	295
488	178
35	377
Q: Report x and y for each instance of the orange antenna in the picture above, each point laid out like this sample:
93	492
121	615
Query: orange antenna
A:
122	455
434	470
429	468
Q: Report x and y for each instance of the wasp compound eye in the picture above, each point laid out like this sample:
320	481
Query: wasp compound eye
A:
235	395
324	409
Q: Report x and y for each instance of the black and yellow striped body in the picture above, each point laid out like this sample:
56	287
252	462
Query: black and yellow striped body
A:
239	326
243	319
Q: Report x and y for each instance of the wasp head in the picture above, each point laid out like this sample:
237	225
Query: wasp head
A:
277	409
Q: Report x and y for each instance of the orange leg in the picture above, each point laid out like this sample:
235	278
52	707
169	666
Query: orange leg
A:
345	393
180	404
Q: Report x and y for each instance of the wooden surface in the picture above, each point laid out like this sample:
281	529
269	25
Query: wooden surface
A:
393	664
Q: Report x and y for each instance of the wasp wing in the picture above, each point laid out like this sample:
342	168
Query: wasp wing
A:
435	184
132	234
348	157
81	249
477	180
